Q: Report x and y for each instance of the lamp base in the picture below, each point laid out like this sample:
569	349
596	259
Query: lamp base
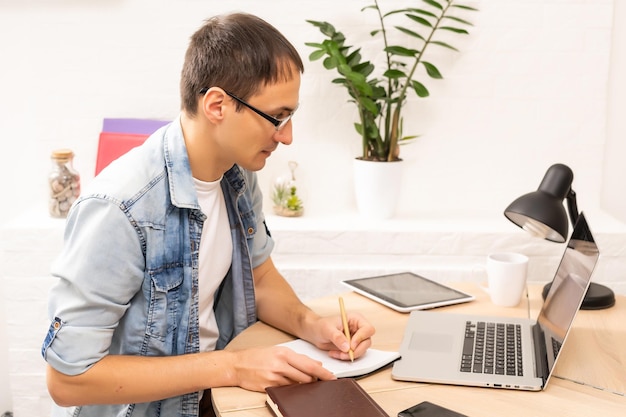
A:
598	296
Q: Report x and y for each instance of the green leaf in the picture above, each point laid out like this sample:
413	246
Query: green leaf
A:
423	12
369	105
339	38
365	68
420	89
330	63
354	58
324	27
458	20
445	45
315	55
374	32
461	6
432	70
455	30
394	73
359	82
328	29
314	22
344	69
410	32
434	4
330	46
373	131
408	138
335	52
395	12
420	20
314	45
401	50
378	92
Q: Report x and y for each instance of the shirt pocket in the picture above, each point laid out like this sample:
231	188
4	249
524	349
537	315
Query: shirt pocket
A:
164	309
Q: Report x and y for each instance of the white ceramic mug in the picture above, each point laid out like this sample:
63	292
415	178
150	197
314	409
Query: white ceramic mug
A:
506	277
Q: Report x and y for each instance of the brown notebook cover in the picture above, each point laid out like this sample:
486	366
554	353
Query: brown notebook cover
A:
341	397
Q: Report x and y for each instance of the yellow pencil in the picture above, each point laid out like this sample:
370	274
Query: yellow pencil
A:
346	329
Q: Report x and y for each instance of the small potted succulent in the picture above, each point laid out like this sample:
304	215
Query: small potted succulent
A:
285	194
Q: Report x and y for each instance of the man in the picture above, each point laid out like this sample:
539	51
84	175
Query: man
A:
167	256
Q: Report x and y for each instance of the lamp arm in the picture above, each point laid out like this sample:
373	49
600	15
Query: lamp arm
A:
572	207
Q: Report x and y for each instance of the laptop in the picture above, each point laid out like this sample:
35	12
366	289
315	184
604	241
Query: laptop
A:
459	349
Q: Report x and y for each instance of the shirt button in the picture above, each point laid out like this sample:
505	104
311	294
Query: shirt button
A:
57	325
250	230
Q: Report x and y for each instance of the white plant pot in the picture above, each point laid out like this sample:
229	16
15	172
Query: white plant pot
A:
377	188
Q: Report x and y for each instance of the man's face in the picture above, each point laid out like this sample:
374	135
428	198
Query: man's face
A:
251	139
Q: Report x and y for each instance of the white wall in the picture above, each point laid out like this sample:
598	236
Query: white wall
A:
615	150
529	88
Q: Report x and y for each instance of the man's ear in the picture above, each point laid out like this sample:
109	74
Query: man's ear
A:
212	104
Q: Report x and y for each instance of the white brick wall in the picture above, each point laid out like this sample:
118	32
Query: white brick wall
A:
313	255
27	253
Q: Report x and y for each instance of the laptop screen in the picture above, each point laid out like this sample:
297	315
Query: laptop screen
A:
568	289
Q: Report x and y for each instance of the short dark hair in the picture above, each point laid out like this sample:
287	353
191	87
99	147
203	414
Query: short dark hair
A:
238	52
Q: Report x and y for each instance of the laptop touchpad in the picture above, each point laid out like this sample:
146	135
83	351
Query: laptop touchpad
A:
431	342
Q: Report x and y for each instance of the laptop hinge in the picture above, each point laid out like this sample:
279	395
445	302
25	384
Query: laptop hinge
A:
541	355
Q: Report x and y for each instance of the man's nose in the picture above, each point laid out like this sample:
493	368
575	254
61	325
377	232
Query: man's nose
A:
284	135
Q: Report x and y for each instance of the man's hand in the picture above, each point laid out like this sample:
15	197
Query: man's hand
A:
258	368
328	335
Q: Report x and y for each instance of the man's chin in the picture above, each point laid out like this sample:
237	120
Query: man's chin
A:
256	165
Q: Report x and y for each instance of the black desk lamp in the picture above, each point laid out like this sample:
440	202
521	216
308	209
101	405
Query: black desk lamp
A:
542	214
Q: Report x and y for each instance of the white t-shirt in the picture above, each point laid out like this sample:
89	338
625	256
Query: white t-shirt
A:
215	257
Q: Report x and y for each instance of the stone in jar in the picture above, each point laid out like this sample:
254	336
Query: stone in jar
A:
64	183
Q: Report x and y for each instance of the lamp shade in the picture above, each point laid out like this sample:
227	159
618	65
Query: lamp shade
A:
542	212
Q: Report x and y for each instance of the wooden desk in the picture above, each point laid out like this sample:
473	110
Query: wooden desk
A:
590	378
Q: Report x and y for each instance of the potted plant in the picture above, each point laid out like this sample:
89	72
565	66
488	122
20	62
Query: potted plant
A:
380	96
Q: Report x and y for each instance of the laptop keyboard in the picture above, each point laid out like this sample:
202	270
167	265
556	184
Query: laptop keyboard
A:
556	347
492	348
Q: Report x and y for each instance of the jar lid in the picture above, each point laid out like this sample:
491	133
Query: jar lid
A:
62	154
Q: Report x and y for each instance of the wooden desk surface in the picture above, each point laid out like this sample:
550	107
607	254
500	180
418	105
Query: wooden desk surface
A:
590	377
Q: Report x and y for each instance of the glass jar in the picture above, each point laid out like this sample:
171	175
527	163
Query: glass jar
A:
64	183
286	193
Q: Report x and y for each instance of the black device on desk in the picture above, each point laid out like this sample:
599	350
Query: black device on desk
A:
406	291
428	409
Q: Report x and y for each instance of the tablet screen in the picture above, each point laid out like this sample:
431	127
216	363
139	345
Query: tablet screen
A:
407	291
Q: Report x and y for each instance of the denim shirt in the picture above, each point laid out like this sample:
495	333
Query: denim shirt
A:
128	271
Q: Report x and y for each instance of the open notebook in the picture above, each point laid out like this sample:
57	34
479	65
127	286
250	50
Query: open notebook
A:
373	359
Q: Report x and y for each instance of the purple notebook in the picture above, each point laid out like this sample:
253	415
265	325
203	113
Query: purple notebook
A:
135	126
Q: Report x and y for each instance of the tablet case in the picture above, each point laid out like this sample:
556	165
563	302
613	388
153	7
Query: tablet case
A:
336	398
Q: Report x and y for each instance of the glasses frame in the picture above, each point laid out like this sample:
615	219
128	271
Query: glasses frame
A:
278	123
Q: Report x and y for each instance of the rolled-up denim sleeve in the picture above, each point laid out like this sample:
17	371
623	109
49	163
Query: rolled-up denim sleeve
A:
262	244
99	270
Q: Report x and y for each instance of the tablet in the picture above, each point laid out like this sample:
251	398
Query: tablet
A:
407	291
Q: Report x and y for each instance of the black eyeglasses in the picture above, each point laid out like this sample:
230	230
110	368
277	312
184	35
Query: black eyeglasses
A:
278	123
